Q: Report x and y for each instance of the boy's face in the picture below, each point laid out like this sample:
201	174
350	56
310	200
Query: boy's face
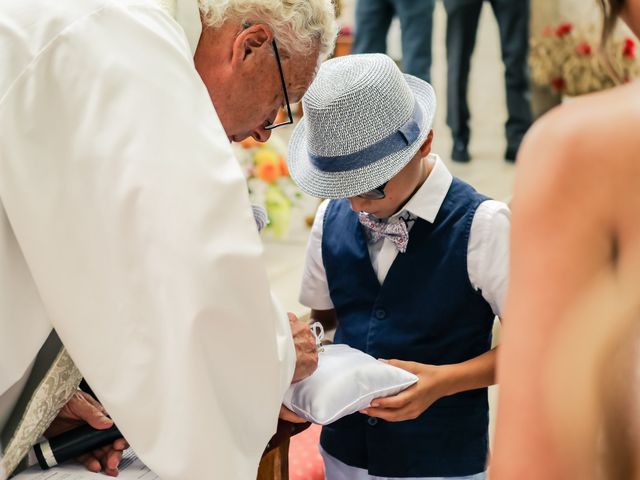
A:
400	188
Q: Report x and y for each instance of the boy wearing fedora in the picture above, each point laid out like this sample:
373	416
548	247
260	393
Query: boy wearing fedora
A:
411	263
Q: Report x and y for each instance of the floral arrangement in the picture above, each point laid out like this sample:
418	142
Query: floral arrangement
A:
268	180
568	60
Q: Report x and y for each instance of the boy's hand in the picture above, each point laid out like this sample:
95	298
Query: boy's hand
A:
410	403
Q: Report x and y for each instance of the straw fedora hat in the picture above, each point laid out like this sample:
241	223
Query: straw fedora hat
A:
363	122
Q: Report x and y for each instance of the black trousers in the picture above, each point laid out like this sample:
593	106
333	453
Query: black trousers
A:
462	26
373	18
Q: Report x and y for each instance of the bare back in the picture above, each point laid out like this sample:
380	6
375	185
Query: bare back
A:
576	228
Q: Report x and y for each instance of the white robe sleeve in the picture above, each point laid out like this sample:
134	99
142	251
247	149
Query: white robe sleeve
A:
133	216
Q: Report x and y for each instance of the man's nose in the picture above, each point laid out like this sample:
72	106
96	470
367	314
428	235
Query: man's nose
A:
261	135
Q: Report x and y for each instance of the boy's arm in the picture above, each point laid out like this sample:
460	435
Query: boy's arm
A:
434	382
478	372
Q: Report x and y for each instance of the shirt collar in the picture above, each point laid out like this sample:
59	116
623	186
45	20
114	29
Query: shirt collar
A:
426	202
188	16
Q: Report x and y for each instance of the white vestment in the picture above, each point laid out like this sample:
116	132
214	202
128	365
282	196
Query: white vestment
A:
125	224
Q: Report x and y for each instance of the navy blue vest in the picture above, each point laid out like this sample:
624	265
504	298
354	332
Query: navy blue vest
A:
425	311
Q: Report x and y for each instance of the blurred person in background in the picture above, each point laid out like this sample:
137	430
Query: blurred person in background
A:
373	18
462	25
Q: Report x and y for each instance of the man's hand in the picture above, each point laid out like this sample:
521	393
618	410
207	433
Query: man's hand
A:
410	403
289	416
81	409
306	350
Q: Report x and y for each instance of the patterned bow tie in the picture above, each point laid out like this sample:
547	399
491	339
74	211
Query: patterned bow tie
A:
395	230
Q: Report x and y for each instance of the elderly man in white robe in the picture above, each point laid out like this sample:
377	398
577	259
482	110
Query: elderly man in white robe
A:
125	223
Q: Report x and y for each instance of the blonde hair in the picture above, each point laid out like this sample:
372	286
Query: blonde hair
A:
298	25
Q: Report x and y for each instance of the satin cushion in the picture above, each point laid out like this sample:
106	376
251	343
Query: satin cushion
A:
345	382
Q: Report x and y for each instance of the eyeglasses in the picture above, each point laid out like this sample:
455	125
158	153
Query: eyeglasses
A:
375	194
284	90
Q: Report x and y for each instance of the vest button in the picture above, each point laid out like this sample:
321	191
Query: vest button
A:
380	313
372	421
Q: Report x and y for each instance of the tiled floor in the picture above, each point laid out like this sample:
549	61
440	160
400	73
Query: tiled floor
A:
488	172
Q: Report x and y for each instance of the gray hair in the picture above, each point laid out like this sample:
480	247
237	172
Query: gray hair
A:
297	24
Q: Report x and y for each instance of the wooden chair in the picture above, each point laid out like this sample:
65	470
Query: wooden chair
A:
274	464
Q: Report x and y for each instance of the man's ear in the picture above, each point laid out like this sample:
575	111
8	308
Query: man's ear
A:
250	41
425	149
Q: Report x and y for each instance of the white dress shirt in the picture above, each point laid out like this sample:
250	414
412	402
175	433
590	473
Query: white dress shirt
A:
125	224
487	254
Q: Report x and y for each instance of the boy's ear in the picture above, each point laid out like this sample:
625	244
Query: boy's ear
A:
425	149
250	41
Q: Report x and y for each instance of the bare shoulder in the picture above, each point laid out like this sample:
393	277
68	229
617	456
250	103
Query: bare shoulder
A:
578	145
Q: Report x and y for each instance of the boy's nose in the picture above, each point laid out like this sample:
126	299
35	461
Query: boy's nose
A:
357	204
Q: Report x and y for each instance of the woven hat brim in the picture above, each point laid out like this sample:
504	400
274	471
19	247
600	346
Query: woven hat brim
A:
335	185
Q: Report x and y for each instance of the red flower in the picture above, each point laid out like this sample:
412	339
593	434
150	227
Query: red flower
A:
629	48
558	84
345	31
584	48
564	29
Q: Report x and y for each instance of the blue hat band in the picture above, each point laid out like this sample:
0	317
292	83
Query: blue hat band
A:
399	140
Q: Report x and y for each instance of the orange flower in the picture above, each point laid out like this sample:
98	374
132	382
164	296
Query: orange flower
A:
268	168
284	168
268	172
